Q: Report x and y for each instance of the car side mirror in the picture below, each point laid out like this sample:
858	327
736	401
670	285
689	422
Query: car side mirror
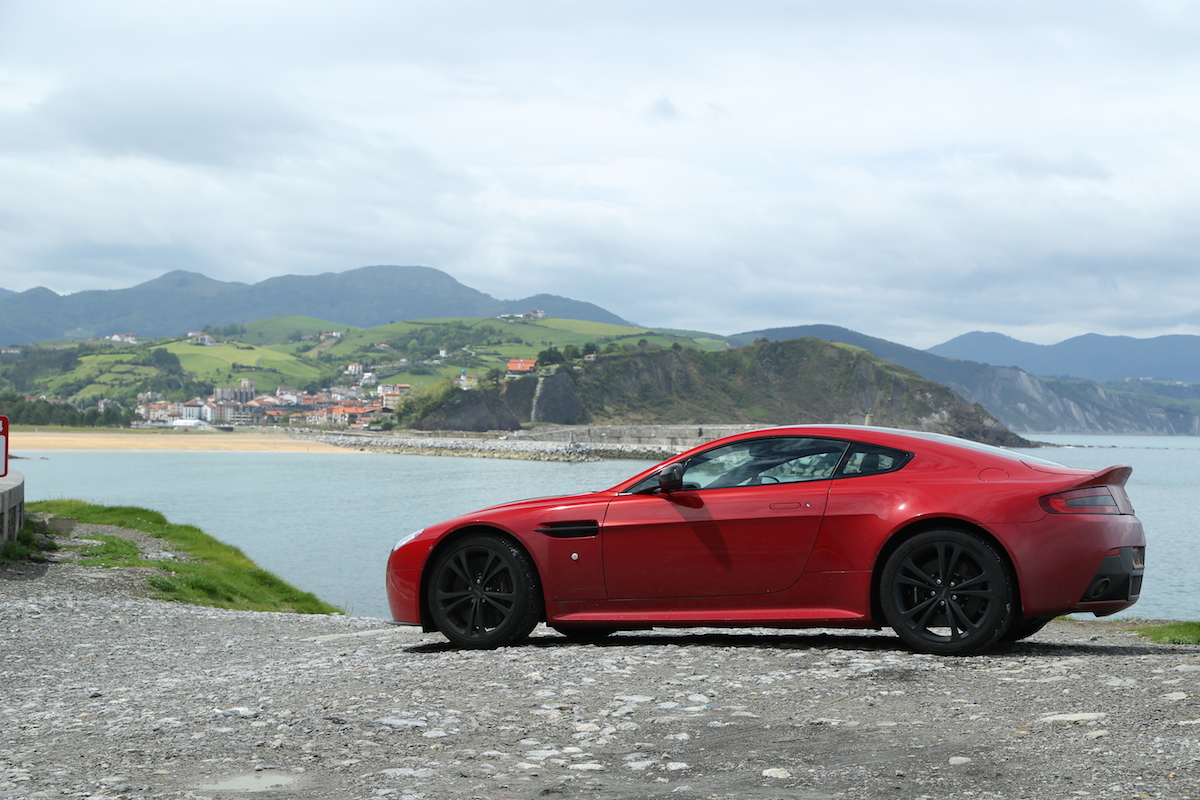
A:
671	478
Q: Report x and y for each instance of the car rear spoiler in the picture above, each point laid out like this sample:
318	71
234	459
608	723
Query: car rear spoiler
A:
1115	475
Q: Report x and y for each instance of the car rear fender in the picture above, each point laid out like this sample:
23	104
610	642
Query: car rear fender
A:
451	538
937	523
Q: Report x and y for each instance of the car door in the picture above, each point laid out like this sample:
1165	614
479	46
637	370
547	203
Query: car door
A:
744	523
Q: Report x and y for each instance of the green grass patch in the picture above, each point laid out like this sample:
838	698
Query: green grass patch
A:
282	330
223	364
216	574
112	552
1172	633
28	546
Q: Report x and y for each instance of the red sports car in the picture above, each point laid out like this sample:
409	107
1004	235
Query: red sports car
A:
952	544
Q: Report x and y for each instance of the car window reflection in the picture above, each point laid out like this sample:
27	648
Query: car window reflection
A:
873	460
762	462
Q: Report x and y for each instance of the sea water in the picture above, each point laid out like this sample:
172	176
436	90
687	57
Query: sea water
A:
325	522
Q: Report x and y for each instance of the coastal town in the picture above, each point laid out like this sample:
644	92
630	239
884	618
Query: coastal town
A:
360	403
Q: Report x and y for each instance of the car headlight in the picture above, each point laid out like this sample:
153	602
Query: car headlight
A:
407	539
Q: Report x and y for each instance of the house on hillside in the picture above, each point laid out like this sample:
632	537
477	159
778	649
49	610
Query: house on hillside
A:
521	366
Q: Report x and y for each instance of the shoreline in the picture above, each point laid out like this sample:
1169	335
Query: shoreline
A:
185	440
515	448
258	440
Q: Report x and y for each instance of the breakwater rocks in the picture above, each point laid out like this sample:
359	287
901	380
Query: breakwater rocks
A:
108	694
514	447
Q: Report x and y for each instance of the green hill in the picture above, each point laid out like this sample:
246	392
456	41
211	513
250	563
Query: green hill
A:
289	350
796	381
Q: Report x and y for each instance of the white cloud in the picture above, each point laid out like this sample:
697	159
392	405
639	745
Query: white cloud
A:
913	171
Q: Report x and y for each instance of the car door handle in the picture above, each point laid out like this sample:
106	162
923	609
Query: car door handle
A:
790	505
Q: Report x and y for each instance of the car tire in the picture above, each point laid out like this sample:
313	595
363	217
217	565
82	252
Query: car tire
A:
947	592
585	634
483	593
1023	628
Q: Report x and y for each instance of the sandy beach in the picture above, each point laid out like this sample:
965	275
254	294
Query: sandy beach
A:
90	439
265	440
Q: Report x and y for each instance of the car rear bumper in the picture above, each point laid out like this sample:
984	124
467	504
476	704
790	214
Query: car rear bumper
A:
1086	563
1117	583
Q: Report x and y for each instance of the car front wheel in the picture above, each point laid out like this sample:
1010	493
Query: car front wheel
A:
483	593
947	592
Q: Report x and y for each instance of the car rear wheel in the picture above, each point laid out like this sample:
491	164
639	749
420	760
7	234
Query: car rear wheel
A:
947	592
483	593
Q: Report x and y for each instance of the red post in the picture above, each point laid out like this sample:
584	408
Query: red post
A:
4	436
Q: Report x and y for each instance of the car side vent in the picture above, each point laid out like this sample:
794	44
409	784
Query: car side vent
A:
570	529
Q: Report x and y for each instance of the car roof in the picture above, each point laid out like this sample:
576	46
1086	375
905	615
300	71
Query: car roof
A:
896	437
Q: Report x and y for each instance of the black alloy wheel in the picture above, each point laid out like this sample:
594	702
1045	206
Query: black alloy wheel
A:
483	593
947	592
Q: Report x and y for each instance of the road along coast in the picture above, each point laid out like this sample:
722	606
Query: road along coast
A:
107	693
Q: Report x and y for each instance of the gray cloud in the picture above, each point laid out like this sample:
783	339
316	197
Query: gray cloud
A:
913	171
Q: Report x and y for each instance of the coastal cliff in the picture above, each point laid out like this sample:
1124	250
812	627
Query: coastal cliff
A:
768	383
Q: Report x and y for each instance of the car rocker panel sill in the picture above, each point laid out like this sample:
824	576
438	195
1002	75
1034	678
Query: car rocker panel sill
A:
766	617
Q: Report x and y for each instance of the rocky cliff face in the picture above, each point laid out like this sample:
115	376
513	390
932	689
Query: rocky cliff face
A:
470	411
1037	405
789	382
549	398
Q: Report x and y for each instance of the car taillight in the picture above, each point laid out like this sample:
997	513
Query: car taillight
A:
1094	500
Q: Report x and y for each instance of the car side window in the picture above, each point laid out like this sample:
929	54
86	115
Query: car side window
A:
758	462
865	459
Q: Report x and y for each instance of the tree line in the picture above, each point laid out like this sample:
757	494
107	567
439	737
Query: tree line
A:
24	411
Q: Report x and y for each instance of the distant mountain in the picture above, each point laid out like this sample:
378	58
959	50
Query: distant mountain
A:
180	301
1091	356
6	292
1023	402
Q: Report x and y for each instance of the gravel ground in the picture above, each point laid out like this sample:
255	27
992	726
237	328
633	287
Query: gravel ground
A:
105	693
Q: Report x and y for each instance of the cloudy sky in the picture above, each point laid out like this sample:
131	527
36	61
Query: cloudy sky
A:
910	170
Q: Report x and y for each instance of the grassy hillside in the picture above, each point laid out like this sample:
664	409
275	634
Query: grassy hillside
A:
287	350
285	330
212	574
179	369
225	364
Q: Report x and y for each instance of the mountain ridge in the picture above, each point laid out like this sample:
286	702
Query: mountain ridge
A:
179	301
1094	356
